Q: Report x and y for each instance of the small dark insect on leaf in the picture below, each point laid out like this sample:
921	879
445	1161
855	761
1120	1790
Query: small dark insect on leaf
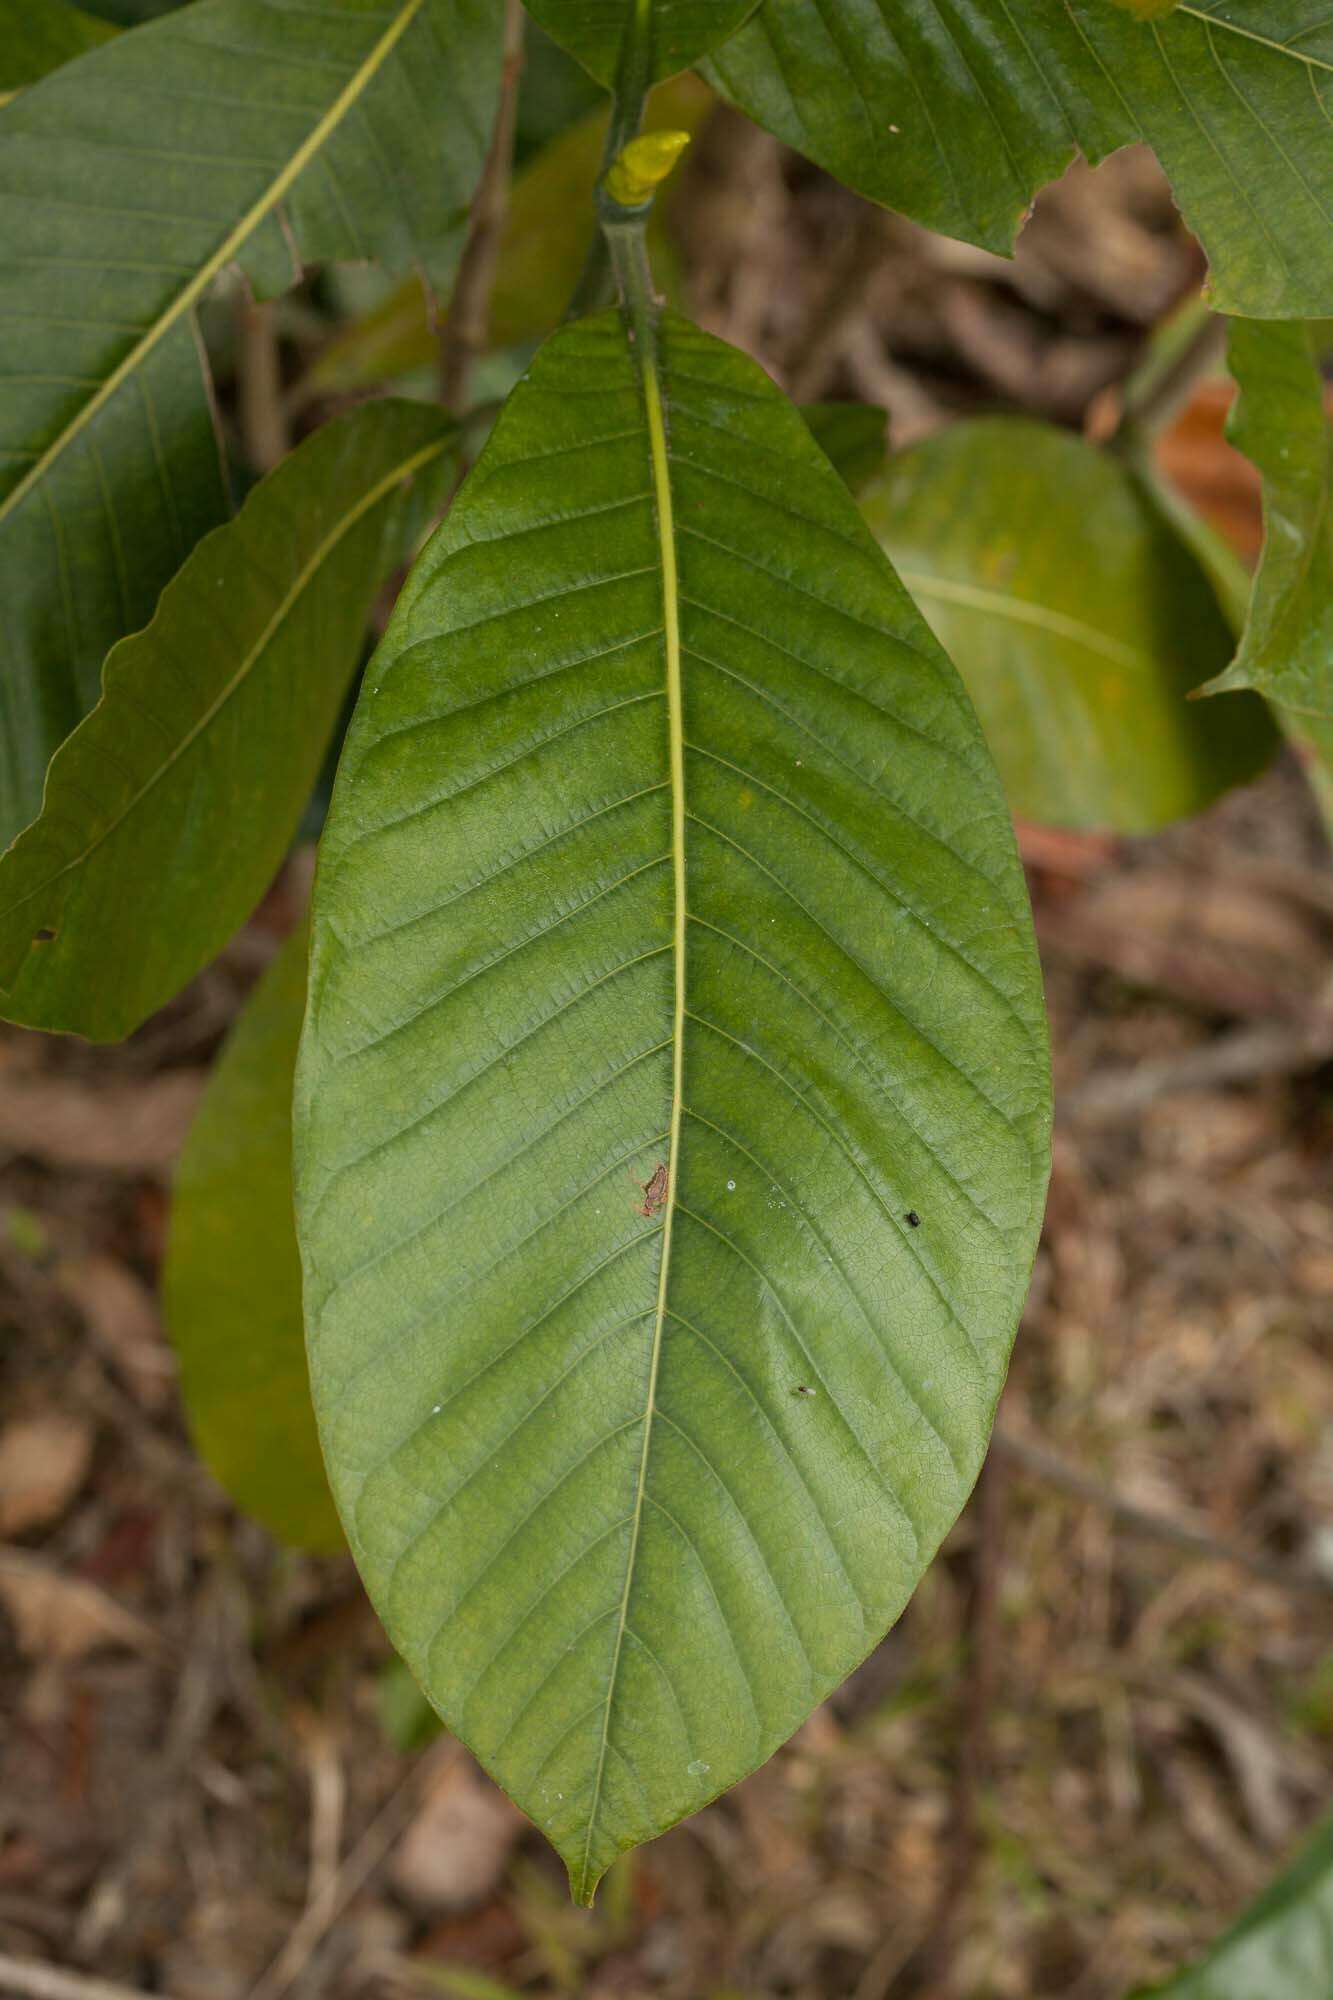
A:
654	1191
802	1389
912	1219
43	937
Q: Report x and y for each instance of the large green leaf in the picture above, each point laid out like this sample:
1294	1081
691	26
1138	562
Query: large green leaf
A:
548	232
957	114
1282	1948
237	131
854	436
170	806
37	36
1078	619
231	1283
682	30
664	850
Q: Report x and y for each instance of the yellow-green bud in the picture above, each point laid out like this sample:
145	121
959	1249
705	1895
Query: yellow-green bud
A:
635	176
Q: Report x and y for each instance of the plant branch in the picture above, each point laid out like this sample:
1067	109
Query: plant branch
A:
1163	385
929	1972
1056	1471
633	76
375	1844
467	322
261	408
29	1979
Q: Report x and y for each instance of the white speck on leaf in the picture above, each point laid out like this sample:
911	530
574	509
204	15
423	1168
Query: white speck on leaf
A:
698	1768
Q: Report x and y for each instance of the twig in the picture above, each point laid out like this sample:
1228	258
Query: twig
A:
27	1979
926	1972
467	322
1047	1465
1168	378
1241	1057
842	305
374	1845
929	1970
260	404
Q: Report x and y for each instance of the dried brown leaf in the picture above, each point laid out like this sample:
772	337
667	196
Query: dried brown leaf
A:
43	1462
64	1617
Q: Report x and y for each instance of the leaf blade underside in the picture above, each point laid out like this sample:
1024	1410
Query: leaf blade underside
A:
958	116
630	1515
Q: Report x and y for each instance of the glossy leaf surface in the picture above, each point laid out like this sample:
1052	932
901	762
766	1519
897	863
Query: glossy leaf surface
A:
1282	1948
957	115
1078	620
682	30
232	132
232	1279
37	36
169	808
672	1109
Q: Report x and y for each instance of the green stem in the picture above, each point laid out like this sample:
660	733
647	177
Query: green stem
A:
633	79
633	76
1182	354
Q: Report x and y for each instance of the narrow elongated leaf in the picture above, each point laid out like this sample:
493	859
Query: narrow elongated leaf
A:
128	180
231	1284
957	115
682	30
37	36
1282	1947
1078	620
672	1108
182	790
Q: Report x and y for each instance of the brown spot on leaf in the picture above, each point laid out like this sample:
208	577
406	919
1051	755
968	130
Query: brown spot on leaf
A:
654	1191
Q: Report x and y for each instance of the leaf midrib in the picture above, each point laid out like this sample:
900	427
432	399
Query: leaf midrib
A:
282	612
1251	35
352	90
650	377
1023	611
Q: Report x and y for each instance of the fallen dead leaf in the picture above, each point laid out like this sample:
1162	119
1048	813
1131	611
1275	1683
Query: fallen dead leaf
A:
122	1317
118	1128
455	1850
43	1462
63	1617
